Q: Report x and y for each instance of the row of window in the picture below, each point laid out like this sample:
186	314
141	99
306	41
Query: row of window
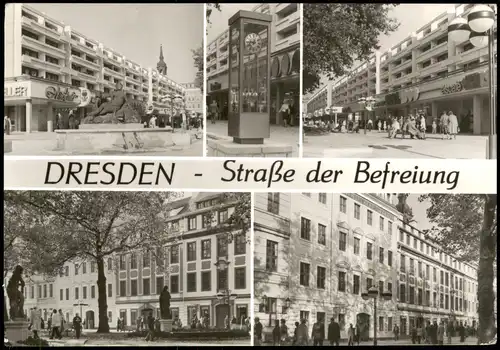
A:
191	285
43	291
64	293
416	296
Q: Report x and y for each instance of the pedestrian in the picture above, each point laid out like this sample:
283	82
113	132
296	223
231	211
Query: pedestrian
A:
357	334
36	321
77	325
440	334
318	332
434	126
379	125
283	332
333	332
449	332
49	323
276	333
385	125
294	341
42	322
434	333
7	125
396	332
423	126
214	111
151	328
351	332
138	324
461	332
226	322
370	124
413	334
72	119
420	334
284	112
443	124
302	334
56	325
453	125
63	322
257	332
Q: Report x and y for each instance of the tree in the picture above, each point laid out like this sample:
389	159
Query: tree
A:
335	35
99	225
210	8
199	63
465	226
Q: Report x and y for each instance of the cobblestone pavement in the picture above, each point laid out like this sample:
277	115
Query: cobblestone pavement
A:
378	145
402	342
279	134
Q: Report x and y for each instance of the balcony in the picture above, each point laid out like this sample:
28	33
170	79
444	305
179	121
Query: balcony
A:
434	68
84	76
131	79
432	52
41	65
288	41
81	46
113	73
41	46
285	6
470	55
41	29
406	64
288	22
433	35
84	62
401	80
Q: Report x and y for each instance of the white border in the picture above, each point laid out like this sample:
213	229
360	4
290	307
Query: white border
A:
204	94
301	26
252	274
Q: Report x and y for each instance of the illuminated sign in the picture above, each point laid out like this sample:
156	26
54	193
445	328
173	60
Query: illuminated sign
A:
16	90
61	94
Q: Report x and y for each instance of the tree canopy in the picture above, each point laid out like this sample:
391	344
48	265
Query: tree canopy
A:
199	63
336	35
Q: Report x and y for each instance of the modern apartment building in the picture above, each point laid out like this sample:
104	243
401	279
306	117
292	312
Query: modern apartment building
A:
315	253
285	60
426	71
193	98
50	68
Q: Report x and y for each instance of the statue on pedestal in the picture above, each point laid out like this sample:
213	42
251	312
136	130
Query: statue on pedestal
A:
165	304
16	297
115	111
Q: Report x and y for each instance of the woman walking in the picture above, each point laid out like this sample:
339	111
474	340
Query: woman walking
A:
453	125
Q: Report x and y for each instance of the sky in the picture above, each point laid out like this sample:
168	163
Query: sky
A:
219	19
137	31
419	211
411	17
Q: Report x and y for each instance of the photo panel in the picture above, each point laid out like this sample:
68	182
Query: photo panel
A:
253	108
80	79
410	84
386	269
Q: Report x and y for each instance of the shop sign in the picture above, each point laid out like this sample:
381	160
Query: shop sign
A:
392	99
475	81
450	89
336	109
16	90
61	94
409	95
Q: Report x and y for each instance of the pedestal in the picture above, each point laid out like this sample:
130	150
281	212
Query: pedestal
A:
228	148
166	325
16	330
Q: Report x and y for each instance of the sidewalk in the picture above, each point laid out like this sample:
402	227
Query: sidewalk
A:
402	342
378	145
279	134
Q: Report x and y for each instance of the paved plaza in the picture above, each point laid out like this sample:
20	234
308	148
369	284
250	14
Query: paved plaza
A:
279	134
44	144
378	145
402	342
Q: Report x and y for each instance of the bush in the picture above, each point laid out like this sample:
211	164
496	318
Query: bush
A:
34	342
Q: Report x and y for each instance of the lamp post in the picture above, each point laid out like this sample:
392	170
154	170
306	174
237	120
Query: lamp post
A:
478	29
368	103
224	295
373	293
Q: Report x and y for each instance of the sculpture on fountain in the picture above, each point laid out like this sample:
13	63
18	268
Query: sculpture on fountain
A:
15	294
116	110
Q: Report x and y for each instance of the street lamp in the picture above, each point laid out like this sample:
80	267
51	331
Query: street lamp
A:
373	293
225	295
368	103
478	29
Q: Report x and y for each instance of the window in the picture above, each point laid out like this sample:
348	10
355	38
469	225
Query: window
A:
434	274
401	236
92	267
412	295
76	269
84	267
77	294
240	244
51	290
273	203
414	243
205	220
133	261
110	290
206	281
381	223
427	301
146	286
174	254
369	283
222	280
304	315
446	302
369	247
341	285
174	284
321	234
191	251
307	194
192	223
342	241
389	258
133	288
223	216
305	229
304	274
408	239
321	277
357	211
191	282
271	256
322	197
441	277
206	249
84	292
160	281
343	204
222	245
355	285
240	278
427	272
389	227
67	293
61	294
389	287
110	264
402	293
66	271
356	245
381	255
422	246
389	323
146	259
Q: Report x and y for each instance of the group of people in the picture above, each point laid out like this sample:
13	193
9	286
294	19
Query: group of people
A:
65	121
436	334
180	120
56	324
243	324
416	126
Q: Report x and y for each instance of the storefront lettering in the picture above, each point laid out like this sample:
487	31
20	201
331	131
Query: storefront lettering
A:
59	94
15	91
450	89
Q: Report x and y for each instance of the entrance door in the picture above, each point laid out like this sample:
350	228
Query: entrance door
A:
89	319
221	311
363	321
320	317
403	328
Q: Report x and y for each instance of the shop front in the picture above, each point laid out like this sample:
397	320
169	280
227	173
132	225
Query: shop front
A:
285	84
218	91
33	104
